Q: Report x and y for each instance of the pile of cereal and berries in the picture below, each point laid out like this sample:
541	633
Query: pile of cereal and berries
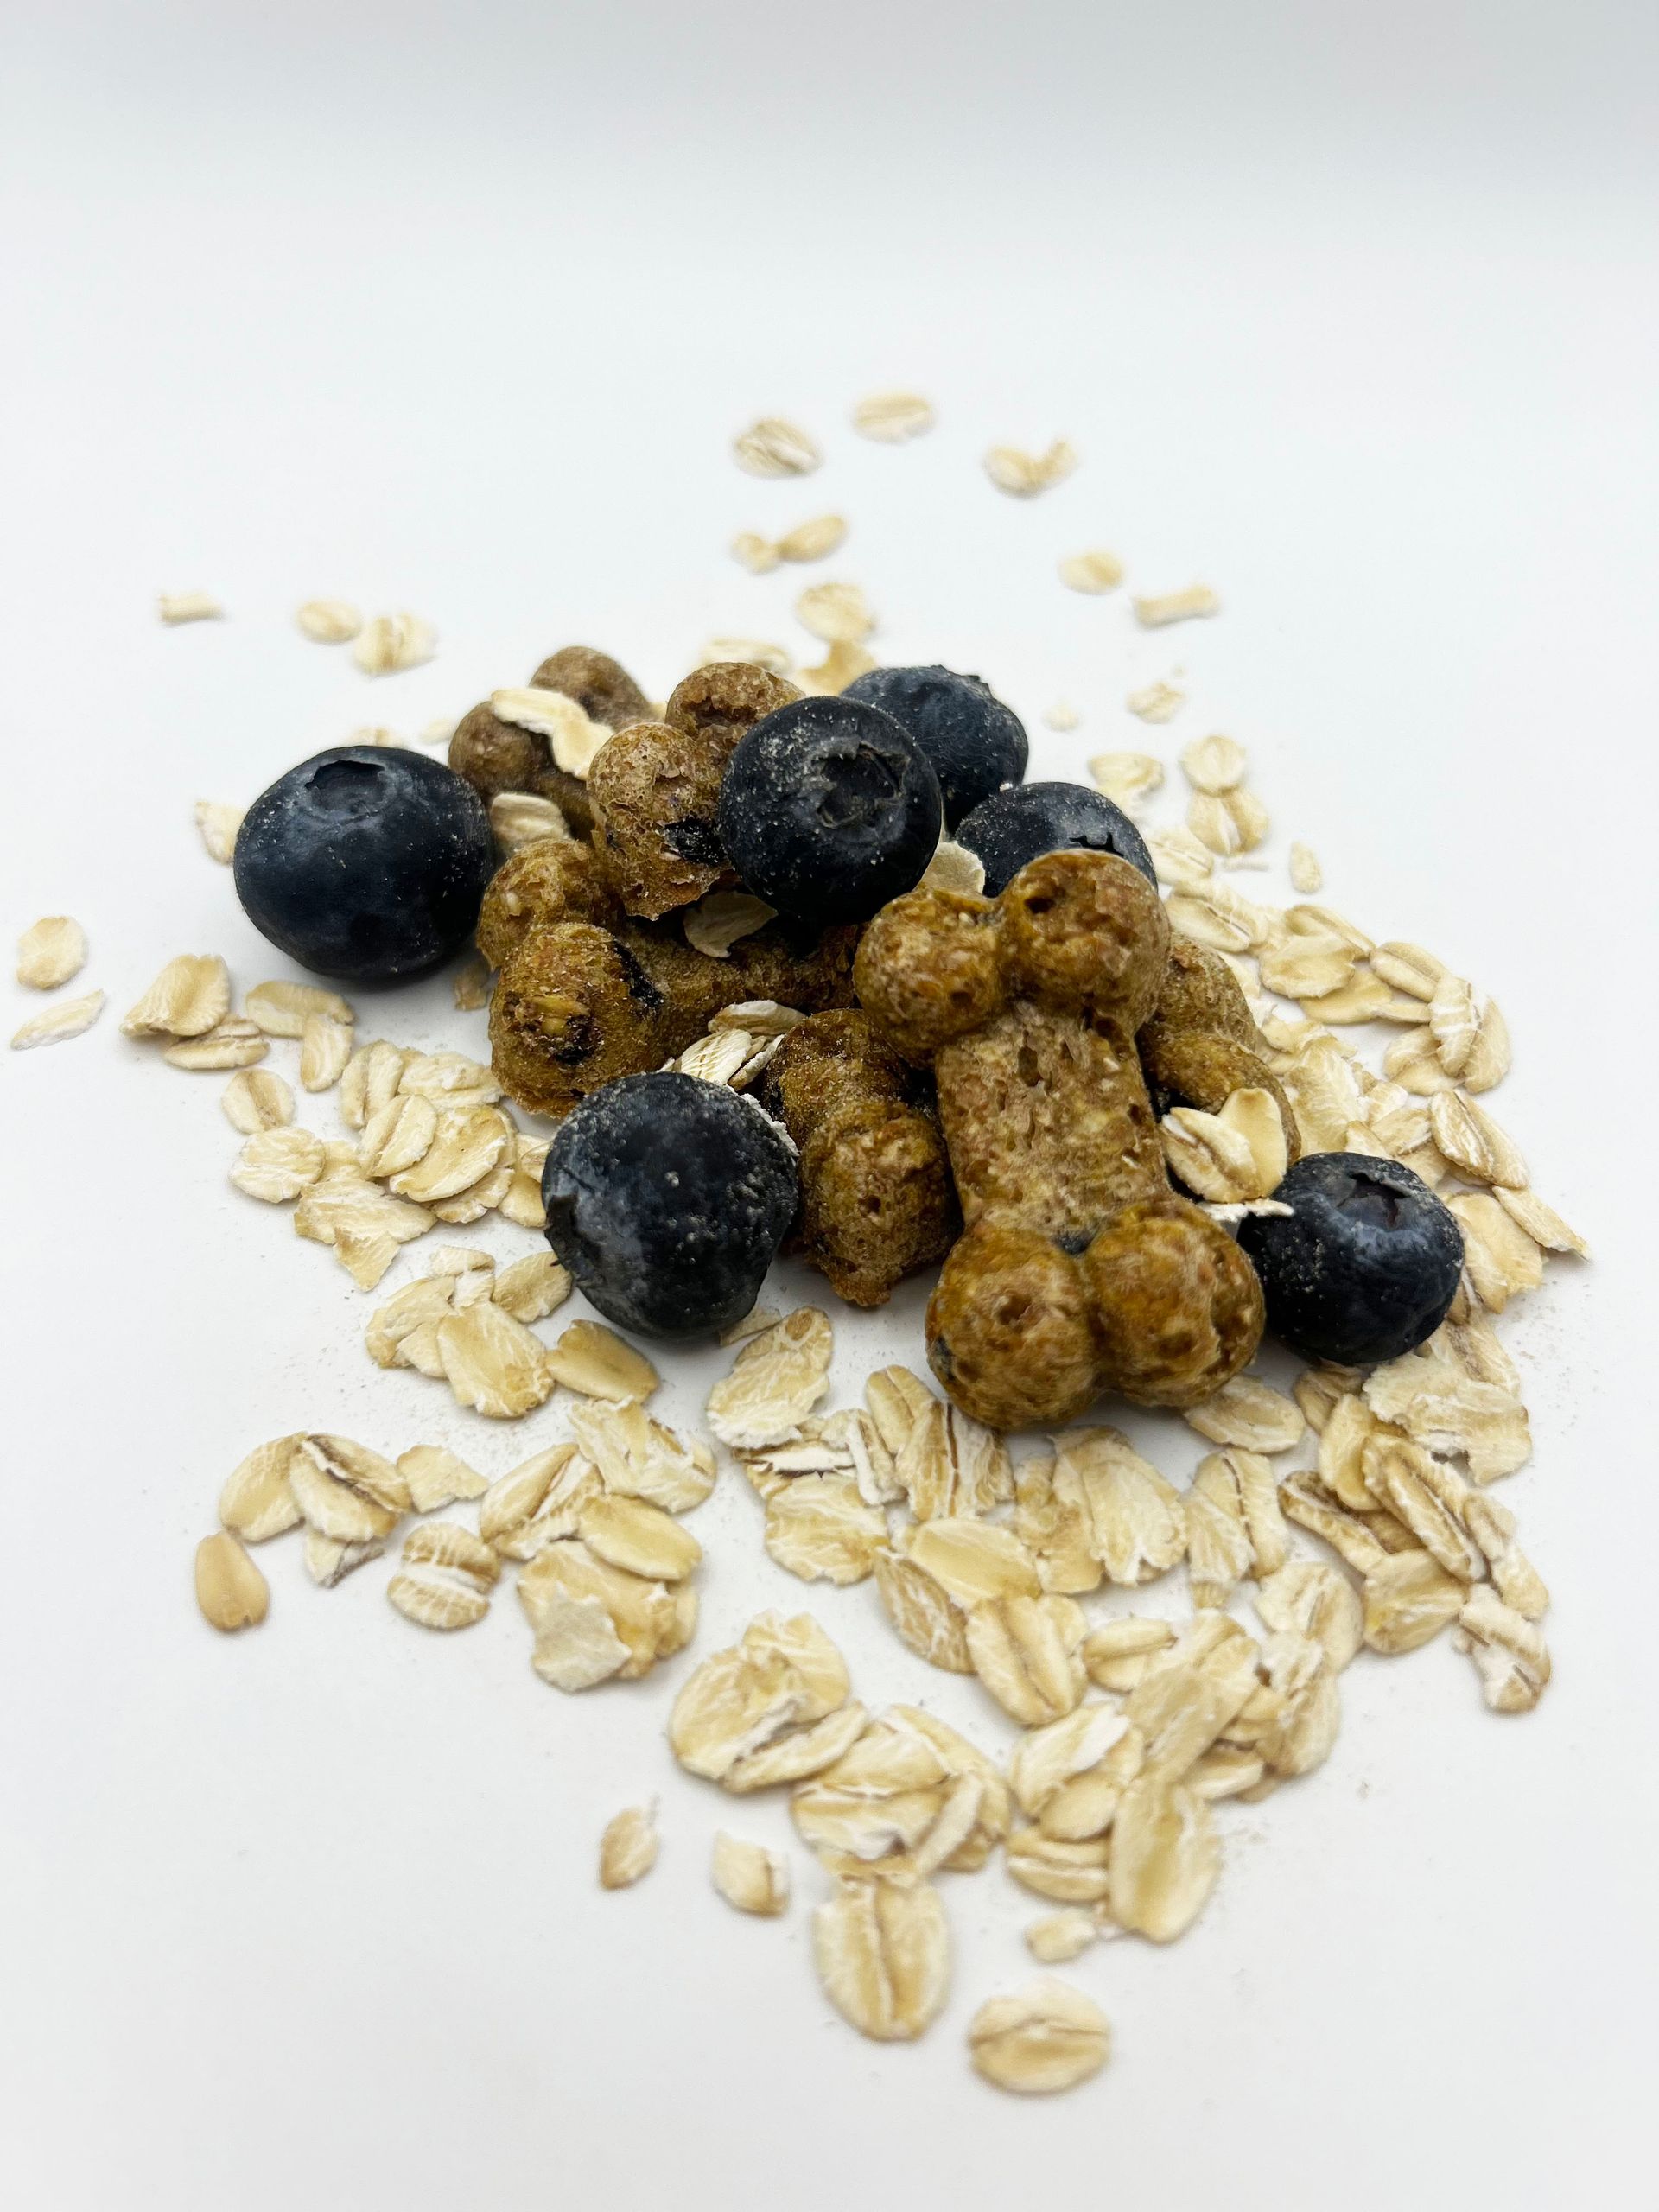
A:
821	974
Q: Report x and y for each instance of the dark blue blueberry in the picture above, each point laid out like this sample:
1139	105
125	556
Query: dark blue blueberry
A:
1366	1265
667	1197
828	810
1016	825
975	743
366	863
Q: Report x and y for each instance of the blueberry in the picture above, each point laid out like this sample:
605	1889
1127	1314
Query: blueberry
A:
828	810
667	1197
1365	1267
975	743
366	862
1016	825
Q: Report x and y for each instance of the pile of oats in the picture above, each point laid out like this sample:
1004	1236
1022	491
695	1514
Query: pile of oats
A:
1291	1530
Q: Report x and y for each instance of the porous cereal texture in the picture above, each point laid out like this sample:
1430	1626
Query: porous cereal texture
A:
578	1004
722	701
601	687
554	879
1027	1004
877	1200
654	791
496	756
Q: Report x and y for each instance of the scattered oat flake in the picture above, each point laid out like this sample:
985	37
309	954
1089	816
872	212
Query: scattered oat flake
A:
1046	2038
282	1009
1156	702
1541	1223
843	664
176	606
837	613
218	823
714	925
277	1164
229	1589
522	818
233	1043
1164	607
776	1380
1095	571
190	996
773	446
756	554
255	1099
883	1955
595	1363
1062	1937
444	1578
954	868
1306	873
1126	777
1214	764
1062	715
389	643
628	1849
470	984
1023	475
1248	1412
51	951
325	1046
328	621
893	418
58	1024
813	540
750	1876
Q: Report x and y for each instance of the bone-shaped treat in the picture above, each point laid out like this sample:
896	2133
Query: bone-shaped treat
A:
1079	1270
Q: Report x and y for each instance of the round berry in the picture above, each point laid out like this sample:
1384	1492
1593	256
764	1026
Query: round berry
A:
1363	1268
667	1197
366	862
1016	825
828	810
975	743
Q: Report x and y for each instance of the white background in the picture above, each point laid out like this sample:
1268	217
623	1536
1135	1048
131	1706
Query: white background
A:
1350	311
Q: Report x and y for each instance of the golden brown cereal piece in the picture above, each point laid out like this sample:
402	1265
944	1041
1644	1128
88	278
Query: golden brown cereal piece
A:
655	788
601	686
1079	1270
876	1195
721	702
654	791
554	879
578	1005
497	756
1199	1044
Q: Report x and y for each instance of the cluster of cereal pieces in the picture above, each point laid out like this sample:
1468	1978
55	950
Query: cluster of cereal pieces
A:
981	1566
1022	1009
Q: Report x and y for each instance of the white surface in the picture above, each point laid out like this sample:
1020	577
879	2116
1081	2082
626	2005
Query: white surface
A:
456	311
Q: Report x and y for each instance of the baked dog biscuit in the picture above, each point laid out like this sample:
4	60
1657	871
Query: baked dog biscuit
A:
1079	1270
